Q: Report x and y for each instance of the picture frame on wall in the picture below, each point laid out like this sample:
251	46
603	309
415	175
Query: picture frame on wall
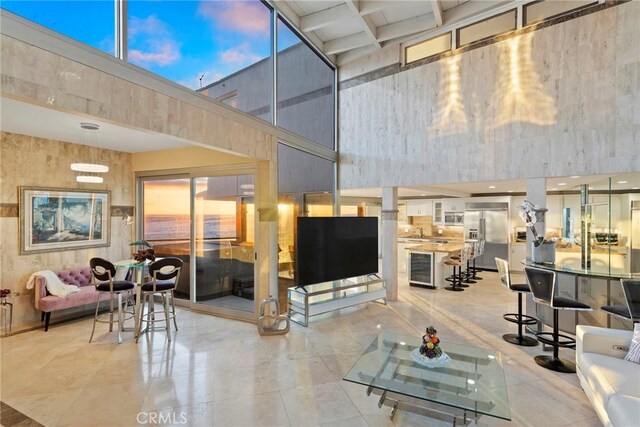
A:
58	219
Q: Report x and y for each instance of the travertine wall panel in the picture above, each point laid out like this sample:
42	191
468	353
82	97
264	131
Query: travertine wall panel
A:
30	161
34	75
560	101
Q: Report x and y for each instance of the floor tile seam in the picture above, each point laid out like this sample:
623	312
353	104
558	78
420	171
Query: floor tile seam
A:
344	390
420	309
286	411
403	319
456	322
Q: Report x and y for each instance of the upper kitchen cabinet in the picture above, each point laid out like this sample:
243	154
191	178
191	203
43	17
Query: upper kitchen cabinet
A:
453	205
402	213
419	208
438	212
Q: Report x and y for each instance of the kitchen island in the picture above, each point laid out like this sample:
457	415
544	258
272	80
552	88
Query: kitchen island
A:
425	266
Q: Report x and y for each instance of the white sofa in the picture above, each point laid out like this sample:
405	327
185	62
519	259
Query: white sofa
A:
611	383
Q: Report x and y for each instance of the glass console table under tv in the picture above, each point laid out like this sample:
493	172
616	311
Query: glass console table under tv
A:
311	300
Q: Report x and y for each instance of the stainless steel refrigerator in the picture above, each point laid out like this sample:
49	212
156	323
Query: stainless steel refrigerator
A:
488	221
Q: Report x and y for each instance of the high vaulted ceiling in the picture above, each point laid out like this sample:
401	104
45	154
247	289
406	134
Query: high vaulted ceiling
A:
347	29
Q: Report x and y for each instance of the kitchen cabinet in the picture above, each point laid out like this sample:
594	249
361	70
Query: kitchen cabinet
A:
402	213
438	212
419	208
453	205
403	256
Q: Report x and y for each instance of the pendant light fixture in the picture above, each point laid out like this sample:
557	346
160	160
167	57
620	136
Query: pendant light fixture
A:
89	171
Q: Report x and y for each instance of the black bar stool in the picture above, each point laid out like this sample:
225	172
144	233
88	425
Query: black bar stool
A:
478	250
519	318
165	274
103	272
542	284
457	261
630	311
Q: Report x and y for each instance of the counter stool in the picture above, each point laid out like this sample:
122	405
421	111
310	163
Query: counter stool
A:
542	284
478	250
630	311
103	272
457	261
519	318
165	274
468	273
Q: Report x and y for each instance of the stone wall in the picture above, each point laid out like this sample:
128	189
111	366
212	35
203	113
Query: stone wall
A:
559	101
37	162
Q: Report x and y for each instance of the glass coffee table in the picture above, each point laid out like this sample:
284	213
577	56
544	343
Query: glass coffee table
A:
471	384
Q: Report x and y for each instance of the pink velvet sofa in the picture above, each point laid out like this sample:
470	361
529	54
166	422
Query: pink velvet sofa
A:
48	303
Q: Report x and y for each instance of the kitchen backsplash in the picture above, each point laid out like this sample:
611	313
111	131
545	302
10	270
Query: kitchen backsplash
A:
429	229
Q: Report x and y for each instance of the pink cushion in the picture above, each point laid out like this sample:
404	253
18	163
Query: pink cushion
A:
77	276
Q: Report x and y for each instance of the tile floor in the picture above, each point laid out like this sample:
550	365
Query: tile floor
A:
219	372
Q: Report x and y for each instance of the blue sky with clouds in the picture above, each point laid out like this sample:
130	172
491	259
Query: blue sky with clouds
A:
180	40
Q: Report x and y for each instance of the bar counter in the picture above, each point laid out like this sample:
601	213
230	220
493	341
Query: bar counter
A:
592	287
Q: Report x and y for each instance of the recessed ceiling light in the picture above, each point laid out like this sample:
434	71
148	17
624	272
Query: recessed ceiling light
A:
622	182
472	382
509	191
574	177
423	194
562	183
635	188
492	186
554	189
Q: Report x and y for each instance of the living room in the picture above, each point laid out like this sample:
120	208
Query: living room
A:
202	138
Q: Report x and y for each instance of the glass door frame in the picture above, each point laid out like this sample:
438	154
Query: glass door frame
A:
191	174
220	171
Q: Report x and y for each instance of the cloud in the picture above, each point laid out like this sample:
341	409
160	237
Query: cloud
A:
239	55
164	53
150	25
151	42
249	17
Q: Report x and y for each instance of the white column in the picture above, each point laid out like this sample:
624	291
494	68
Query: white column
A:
267	213
536	194
390	241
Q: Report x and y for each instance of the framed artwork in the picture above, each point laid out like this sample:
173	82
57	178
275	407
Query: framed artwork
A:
55	219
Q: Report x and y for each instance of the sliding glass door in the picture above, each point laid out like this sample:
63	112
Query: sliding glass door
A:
224	223
166	220
209	223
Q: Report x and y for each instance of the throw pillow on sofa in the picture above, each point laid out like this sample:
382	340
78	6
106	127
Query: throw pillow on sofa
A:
634	349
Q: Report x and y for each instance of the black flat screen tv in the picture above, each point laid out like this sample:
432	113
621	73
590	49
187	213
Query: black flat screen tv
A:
333	248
